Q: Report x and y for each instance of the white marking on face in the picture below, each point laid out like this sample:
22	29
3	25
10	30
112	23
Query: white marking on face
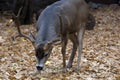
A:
41	62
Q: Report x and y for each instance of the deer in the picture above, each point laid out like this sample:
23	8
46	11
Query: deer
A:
58	22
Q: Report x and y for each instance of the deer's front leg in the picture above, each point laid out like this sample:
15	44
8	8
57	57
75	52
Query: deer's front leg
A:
63	50
74	40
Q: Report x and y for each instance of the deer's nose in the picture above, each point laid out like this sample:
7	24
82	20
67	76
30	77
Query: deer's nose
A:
39	68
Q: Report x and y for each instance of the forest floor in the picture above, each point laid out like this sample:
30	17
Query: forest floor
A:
100	55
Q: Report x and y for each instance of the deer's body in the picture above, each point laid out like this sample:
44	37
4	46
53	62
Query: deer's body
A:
72	13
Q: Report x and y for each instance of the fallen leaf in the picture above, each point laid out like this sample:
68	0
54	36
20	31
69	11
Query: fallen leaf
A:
47	63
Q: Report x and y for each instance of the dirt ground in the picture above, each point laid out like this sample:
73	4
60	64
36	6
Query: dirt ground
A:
100	56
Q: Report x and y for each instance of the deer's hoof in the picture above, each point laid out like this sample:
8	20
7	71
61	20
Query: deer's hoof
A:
77	70
69	66
65	70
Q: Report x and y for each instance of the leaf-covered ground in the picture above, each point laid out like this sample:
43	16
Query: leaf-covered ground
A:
100	56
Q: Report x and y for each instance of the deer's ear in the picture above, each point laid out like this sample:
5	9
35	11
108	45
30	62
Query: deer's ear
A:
46	46
51	43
